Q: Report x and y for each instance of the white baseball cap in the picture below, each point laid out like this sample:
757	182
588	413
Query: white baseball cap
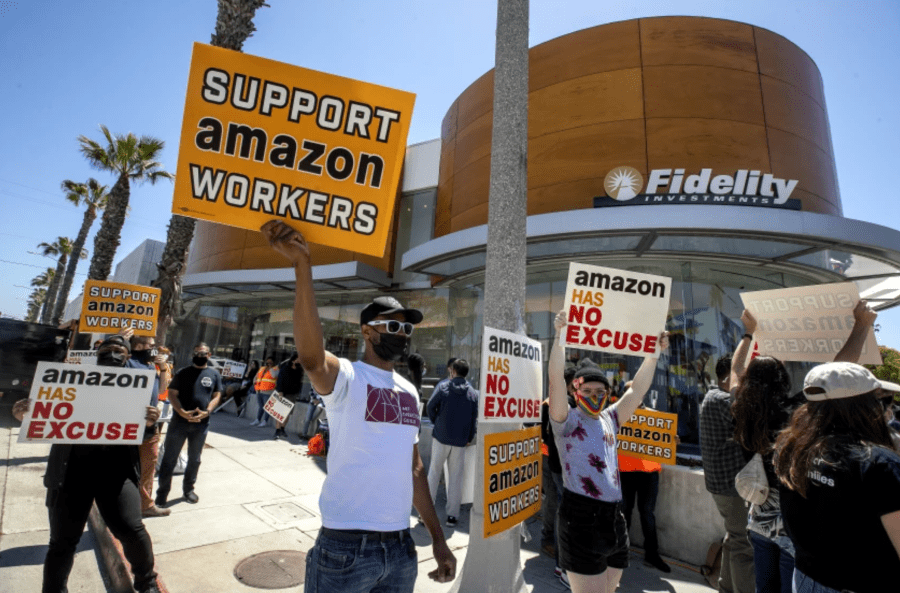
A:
836	380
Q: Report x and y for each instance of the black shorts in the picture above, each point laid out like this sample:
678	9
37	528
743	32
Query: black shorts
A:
590	534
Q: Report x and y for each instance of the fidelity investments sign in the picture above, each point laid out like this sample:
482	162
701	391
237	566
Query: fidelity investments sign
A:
625	187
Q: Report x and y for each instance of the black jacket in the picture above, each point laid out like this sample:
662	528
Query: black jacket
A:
58	464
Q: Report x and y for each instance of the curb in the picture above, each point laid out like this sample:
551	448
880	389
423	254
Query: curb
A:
117	568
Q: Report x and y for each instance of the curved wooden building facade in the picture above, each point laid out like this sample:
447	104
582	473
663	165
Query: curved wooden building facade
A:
654	93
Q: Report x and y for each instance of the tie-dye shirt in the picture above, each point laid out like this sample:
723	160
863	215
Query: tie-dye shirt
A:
587	450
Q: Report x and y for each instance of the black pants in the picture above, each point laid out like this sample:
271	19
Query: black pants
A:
119	503
645	487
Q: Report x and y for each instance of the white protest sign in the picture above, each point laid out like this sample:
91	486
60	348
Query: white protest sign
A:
615	310
87	405
807	323
511	378
278	407
233	370
81	357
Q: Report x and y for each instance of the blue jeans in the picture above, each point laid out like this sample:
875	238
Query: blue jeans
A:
179	431
261	398
774	567
805	584
310	412
367	565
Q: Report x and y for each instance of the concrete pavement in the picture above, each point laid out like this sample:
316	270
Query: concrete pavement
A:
256	495
24	527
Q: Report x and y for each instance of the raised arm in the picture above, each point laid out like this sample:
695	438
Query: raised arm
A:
321	366
739	359
864	318
641	383
559	406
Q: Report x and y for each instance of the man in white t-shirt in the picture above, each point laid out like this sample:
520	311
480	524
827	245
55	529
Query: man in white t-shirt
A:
374	470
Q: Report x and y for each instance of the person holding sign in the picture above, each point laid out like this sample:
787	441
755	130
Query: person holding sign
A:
840	483
194	393
762	407
80	475
592	538
374	470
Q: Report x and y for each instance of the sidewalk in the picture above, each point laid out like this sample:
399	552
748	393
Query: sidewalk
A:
260	495
24	526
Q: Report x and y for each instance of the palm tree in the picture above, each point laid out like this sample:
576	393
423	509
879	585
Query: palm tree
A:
234	24
43	281
35	300
62	248
94	196
131	159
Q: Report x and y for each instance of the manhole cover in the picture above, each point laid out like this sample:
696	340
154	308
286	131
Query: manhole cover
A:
272	570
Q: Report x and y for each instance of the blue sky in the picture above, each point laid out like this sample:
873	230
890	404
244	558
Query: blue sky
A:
68	67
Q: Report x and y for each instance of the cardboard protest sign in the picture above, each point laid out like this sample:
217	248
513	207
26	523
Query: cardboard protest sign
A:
278	407
649	435
807	323
233	370
111	306
512	478
81	357
511	378
615	311
87	404
262	139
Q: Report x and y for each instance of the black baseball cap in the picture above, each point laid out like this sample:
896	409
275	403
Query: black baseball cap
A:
387	305
116	340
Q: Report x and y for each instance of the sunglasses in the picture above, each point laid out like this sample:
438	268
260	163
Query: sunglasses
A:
394	327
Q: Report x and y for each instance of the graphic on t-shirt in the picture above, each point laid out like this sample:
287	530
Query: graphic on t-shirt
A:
391	407
589	487
597	463
206	382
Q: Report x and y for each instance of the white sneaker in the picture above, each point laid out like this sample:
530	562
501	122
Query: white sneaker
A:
254	423
564	579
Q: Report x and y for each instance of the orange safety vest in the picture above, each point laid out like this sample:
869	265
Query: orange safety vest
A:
633	464
264	380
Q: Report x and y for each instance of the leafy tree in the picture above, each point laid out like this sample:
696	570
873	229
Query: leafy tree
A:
889	369
93	196
234	24
131	159
62	248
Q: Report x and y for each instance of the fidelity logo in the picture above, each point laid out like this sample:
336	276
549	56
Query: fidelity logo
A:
625	183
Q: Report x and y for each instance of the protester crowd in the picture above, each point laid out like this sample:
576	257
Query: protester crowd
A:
807	480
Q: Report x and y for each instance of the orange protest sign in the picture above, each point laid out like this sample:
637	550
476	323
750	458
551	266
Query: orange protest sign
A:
650	435
262	139
512	478
111	306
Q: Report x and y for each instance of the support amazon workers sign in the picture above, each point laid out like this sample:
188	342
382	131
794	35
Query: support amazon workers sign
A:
807	323
615	311
649	435
87	404
512	478
110	306
262	139
511	378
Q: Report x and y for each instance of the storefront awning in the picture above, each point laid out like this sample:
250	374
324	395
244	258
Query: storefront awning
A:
820	247
344	276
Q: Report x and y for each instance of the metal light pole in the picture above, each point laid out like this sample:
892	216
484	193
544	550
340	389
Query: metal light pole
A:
493	565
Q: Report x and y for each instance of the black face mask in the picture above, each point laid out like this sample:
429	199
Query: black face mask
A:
391	347
142	356
109	358
200	361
